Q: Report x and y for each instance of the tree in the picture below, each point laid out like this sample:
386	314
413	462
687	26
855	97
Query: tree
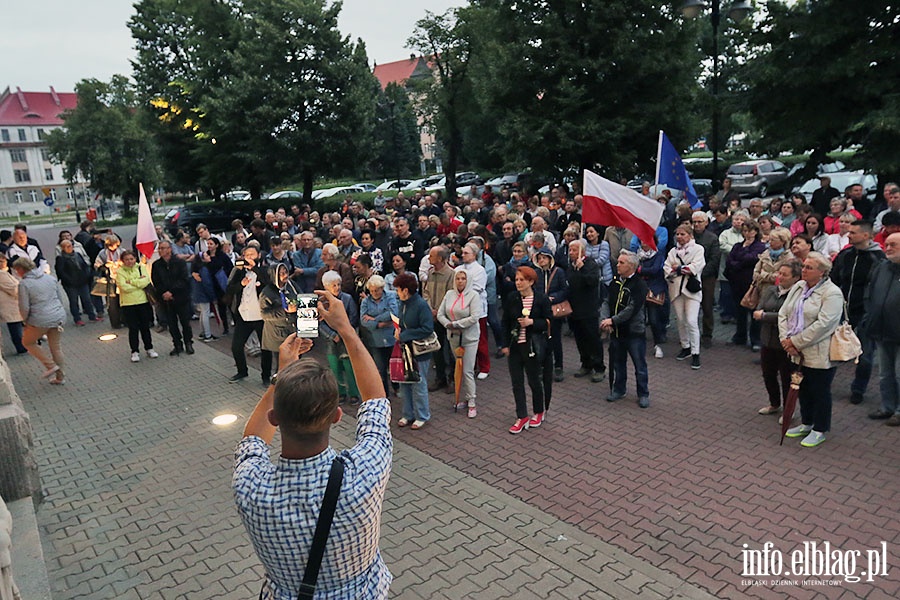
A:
104	139
825	75
447	41
397	150
588	84
183	49
299	99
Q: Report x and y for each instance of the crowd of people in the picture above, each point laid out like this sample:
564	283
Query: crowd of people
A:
430	284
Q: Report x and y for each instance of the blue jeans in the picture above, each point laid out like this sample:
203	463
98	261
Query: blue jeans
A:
889	366
864	367
83	293
619	351
415	395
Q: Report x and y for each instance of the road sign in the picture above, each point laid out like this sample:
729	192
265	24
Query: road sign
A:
48	201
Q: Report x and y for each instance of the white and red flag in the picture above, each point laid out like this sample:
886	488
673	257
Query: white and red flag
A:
146	232
608	203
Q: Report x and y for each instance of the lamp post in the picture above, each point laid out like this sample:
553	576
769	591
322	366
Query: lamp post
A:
392	104
737	12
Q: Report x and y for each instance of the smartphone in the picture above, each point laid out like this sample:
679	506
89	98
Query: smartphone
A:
307	315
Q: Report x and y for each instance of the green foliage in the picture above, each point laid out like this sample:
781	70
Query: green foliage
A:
397	149
254	92
826	75
105	140
588	83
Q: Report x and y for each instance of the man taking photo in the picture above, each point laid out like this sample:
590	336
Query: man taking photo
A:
279	503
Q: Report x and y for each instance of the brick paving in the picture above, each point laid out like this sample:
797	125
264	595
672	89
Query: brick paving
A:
138	502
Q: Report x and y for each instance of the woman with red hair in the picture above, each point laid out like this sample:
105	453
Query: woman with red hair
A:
526	325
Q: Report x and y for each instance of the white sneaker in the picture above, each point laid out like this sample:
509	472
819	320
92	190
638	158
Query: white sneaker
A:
813	439
152	353
657	352
798	431
483	375
135	357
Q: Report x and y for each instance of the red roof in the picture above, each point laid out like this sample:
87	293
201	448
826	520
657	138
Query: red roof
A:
34	108
397	71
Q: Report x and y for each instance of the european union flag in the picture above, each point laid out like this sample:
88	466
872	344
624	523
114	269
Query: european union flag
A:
670	171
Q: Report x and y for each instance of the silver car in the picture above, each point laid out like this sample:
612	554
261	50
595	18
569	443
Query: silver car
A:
757	177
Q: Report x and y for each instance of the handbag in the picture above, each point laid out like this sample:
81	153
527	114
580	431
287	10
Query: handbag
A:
845	345
657	299
426	345
562	309
323	528
150	291
691	283
751	298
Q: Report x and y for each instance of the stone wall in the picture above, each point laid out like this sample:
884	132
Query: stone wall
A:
18	467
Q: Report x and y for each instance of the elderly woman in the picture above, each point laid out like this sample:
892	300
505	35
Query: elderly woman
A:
459	313
739	268
766	270
132	278
338	359
810	315
416	323
775	362
9	306
376	326
507	272
553	283
837	209
801	246
41	306
685	262
572	232
650	270
526	320
278	306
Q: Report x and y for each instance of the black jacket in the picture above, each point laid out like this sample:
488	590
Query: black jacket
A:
541	313
234	291
412	250
72	270
584	285
554	284
625	306
852	272
171	276
712	252
882	320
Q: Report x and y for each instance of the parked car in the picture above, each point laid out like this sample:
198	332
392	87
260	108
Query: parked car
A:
841	180
366	187
339	191
423	183
238	195
217	217
392	185
287	195
463	179
795	179
757	177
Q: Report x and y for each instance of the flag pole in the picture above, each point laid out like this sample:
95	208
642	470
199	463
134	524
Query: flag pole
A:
658	160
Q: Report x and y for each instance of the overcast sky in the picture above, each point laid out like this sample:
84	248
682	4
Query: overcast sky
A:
60	42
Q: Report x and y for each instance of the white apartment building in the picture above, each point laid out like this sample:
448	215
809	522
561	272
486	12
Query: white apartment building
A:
27	177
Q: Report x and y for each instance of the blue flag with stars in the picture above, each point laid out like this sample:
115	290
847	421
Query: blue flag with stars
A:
670	171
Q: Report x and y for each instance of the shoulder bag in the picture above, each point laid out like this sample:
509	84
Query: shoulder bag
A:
152	297
562	309
323	528
426	345
691	282
845	345
751	298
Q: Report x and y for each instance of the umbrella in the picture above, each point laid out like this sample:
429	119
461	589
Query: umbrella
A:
790	403
457	375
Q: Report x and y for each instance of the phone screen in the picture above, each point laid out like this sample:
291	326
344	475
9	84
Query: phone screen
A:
307	315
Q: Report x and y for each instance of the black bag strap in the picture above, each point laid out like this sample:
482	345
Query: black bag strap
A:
323	527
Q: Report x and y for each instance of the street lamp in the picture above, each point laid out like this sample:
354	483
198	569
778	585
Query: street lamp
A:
393	104
737	12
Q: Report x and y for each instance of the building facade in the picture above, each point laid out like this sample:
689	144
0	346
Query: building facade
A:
27	176
402	72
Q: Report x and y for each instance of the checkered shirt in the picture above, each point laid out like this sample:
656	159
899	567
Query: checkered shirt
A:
279	504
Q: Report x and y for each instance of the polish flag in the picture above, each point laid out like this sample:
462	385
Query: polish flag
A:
146	232
608	203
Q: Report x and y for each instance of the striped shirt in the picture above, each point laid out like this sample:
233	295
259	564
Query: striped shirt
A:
279	504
